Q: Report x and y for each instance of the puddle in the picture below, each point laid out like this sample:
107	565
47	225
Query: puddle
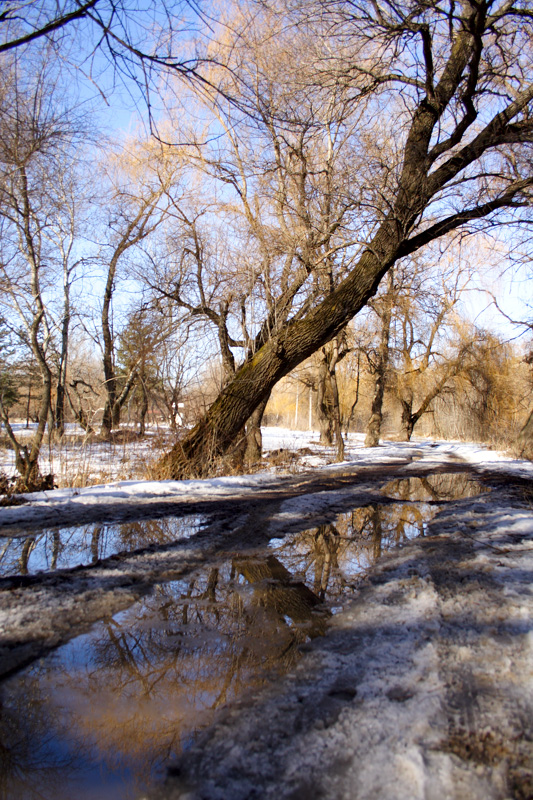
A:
435	488
72	547
101	716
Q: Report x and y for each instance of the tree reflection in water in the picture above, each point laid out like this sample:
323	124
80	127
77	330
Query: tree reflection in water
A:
329	557
101	716
87	544
138	688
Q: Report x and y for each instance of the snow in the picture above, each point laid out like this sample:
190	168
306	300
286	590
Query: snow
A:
423	687
72	504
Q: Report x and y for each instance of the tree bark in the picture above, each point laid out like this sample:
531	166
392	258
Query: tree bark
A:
373	430
328	400
143	411
63	359
325	419
254	439
109	416
408	420
337	417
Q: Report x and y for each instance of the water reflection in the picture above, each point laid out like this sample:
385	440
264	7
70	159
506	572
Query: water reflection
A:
101	716
87	544
437	488
329	558
111	707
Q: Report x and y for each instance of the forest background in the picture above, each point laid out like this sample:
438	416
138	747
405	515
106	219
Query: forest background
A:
184	188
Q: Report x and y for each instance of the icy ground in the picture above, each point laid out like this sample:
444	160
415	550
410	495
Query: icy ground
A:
423	688
123	499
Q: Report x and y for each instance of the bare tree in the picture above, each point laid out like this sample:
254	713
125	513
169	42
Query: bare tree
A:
139	45
36	136
453	166
383	307
142	178
419	348
433	346
284	198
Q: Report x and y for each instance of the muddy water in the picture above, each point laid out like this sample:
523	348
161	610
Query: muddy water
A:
101	716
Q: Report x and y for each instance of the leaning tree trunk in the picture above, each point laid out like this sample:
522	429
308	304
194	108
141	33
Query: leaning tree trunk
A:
216	431
111	416
300	338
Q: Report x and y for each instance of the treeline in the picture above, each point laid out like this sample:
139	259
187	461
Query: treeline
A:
487	400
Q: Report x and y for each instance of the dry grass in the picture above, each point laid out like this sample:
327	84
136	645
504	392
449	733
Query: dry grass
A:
78	461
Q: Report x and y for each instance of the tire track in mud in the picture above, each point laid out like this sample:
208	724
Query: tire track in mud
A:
14	520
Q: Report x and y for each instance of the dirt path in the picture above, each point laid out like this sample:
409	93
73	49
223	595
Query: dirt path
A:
422	690
39	612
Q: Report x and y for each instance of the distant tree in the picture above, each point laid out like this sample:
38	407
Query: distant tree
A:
432	343
36	137
524	440
137	352
380	356
492	387
142	179
328	398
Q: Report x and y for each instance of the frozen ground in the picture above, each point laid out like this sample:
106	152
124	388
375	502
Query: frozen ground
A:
422	690
81	461
122	499
423	687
